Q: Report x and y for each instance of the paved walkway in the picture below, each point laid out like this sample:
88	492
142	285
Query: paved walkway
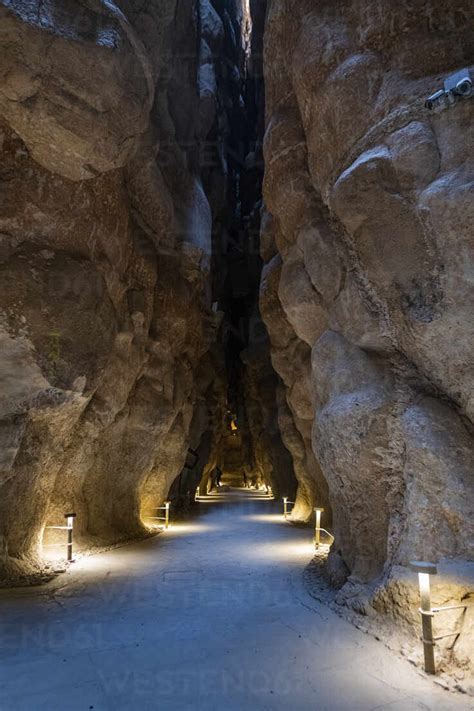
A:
210	615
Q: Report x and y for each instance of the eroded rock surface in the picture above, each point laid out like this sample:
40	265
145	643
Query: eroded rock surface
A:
367	288
109	366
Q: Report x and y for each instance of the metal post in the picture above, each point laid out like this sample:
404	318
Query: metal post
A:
285	507
424	571
317	532
167	514
70	526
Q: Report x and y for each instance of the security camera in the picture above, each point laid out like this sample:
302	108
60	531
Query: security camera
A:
458	85
464	87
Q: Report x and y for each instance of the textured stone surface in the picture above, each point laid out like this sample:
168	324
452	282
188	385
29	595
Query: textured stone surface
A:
368	244
71	125
106	328
272	461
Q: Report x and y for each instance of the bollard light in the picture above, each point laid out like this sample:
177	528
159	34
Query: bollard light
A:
317	532
70	526
424	571
167	514
285	507
427	612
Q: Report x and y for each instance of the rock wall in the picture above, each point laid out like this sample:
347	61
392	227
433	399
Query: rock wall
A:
108	372
270	459
367	289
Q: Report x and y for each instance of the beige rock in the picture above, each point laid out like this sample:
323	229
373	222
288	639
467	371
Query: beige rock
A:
105	266
72	126
376	194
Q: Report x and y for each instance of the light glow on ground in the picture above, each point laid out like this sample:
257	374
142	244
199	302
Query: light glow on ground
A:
289	550
180	529
177	528
266	518
222	498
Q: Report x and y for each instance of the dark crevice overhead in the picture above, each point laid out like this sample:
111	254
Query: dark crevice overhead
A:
233	176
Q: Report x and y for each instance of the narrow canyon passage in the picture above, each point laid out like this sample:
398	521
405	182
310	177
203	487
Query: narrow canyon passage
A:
236	269
209	615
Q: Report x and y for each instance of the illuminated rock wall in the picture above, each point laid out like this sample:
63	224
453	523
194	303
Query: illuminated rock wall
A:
367	289
106	374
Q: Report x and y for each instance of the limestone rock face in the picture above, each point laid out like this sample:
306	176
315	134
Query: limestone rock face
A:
291	359
106	327
79	85
272	461
368	244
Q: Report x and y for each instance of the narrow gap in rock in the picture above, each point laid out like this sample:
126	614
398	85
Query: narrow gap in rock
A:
236	347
